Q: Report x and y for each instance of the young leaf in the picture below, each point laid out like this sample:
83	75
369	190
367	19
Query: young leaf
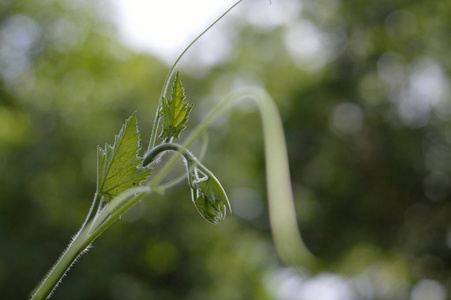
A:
119	167
175	111
210	199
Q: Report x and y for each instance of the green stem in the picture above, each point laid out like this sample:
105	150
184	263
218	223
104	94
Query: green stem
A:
116	208
190	158
287	237
200	157
93	210
69	256
281	205
150	156
81	242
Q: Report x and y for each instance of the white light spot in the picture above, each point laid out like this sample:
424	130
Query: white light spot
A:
307	45
426	82
165	27
423	88
17	38
290	285
326	287
428	289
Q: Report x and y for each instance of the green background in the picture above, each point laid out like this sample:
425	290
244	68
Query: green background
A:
363	90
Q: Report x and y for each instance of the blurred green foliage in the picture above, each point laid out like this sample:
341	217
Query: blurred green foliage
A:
363	89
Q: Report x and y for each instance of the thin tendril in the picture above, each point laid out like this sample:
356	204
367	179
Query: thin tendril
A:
171	72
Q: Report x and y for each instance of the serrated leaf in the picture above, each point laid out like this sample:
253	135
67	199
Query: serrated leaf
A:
175	111
210	199
119	167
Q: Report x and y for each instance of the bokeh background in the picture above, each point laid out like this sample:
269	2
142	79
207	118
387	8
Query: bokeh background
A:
364	92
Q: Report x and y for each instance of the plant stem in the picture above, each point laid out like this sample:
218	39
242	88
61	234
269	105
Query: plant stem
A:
200	157
281	205
75	248
48	284
92	211
190	158
79	244
150	156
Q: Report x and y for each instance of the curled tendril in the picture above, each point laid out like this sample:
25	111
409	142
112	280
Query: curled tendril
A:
207	193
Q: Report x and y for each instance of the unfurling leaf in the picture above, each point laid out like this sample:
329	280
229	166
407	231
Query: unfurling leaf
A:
119	167
175	111
210	199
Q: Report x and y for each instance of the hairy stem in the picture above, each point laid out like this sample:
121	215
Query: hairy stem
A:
281	205
82	240
96	223
69	256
